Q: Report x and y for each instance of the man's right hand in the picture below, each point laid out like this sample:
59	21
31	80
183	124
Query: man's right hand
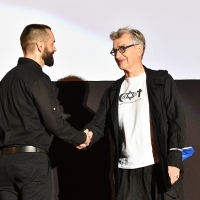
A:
89	135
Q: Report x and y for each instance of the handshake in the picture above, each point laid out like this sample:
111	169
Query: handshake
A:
89	135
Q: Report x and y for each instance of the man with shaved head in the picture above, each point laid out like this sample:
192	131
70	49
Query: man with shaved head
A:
28	118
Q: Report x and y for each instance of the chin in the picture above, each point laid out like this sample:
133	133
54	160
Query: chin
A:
122	67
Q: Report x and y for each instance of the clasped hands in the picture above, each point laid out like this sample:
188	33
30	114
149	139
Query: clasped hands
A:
89	135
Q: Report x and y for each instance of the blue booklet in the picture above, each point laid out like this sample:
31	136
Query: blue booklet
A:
187	152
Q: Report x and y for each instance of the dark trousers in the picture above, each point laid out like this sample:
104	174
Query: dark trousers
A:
25	176
142	184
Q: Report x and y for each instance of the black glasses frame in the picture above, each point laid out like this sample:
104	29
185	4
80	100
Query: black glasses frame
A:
121	49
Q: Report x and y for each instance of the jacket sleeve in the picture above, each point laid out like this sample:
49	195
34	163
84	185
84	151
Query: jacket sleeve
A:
45	102
99	121
176	122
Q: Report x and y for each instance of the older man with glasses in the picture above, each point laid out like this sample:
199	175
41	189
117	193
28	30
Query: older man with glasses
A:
145	115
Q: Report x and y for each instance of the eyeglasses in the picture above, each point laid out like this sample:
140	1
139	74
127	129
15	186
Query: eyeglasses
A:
121	49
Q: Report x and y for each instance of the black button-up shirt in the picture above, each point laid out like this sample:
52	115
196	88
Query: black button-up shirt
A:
28	109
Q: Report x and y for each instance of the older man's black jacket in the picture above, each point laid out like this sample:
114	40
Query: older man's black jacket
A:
167	117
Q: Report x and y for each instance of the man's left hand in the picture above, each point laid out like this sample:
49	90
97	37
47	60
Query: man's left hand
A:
174	173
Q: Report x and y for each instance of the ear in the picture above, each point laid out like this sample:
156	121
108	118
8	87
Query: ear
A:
40	46
140	49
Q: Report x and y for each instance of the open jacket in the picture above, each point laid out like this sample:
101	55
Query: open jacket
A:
167	116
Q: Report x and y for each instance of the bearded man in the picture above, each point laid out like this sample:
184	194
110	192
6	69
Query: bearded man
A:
28	118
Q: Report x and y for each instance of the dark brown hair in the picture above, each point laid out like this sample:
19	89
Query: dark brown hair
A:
31	34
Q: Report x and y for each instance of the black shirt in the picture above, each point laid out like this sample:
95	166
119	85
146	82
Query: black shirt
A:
28	109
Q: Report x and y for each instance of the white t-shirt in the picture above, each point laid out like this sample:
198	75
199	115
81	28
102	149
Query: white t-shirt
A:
134	123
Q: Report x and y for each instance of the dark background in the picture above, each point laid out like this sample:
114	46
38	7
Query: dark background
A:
87	175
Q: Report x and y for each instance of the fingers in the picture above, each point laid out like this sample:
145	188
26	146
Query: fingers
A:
89	135
81	146
174	179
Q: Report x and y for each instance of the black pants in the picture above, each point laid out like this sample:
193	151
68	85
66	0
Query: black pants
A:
25	176
141	184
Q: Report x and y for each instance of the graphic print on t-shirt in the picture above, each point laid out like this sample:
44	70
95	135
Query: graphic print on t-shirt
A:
130	97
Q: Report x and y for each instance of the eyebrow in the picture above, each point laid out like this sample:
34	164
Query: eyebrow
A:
121	46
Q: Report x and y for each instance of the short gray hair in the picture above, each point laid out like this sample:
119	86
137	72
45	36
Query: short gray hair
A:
136	35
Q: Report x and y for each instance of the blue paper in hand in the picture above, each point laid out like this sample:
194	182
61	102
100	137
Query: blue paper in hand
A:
187	152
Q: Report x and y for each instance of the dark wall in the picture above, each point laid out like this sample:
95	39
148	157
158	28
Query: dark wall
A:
87	175
190	93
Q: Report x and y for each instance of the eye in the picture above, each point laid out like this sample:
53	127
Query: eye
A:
122	49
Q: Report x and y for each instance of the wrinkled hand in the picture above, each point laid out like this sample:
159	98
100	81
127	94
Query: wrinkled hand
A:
89	135
174	173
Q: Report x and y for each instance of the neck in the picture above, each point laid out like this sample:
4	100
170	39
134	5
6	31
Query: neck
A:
35	58
134	71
